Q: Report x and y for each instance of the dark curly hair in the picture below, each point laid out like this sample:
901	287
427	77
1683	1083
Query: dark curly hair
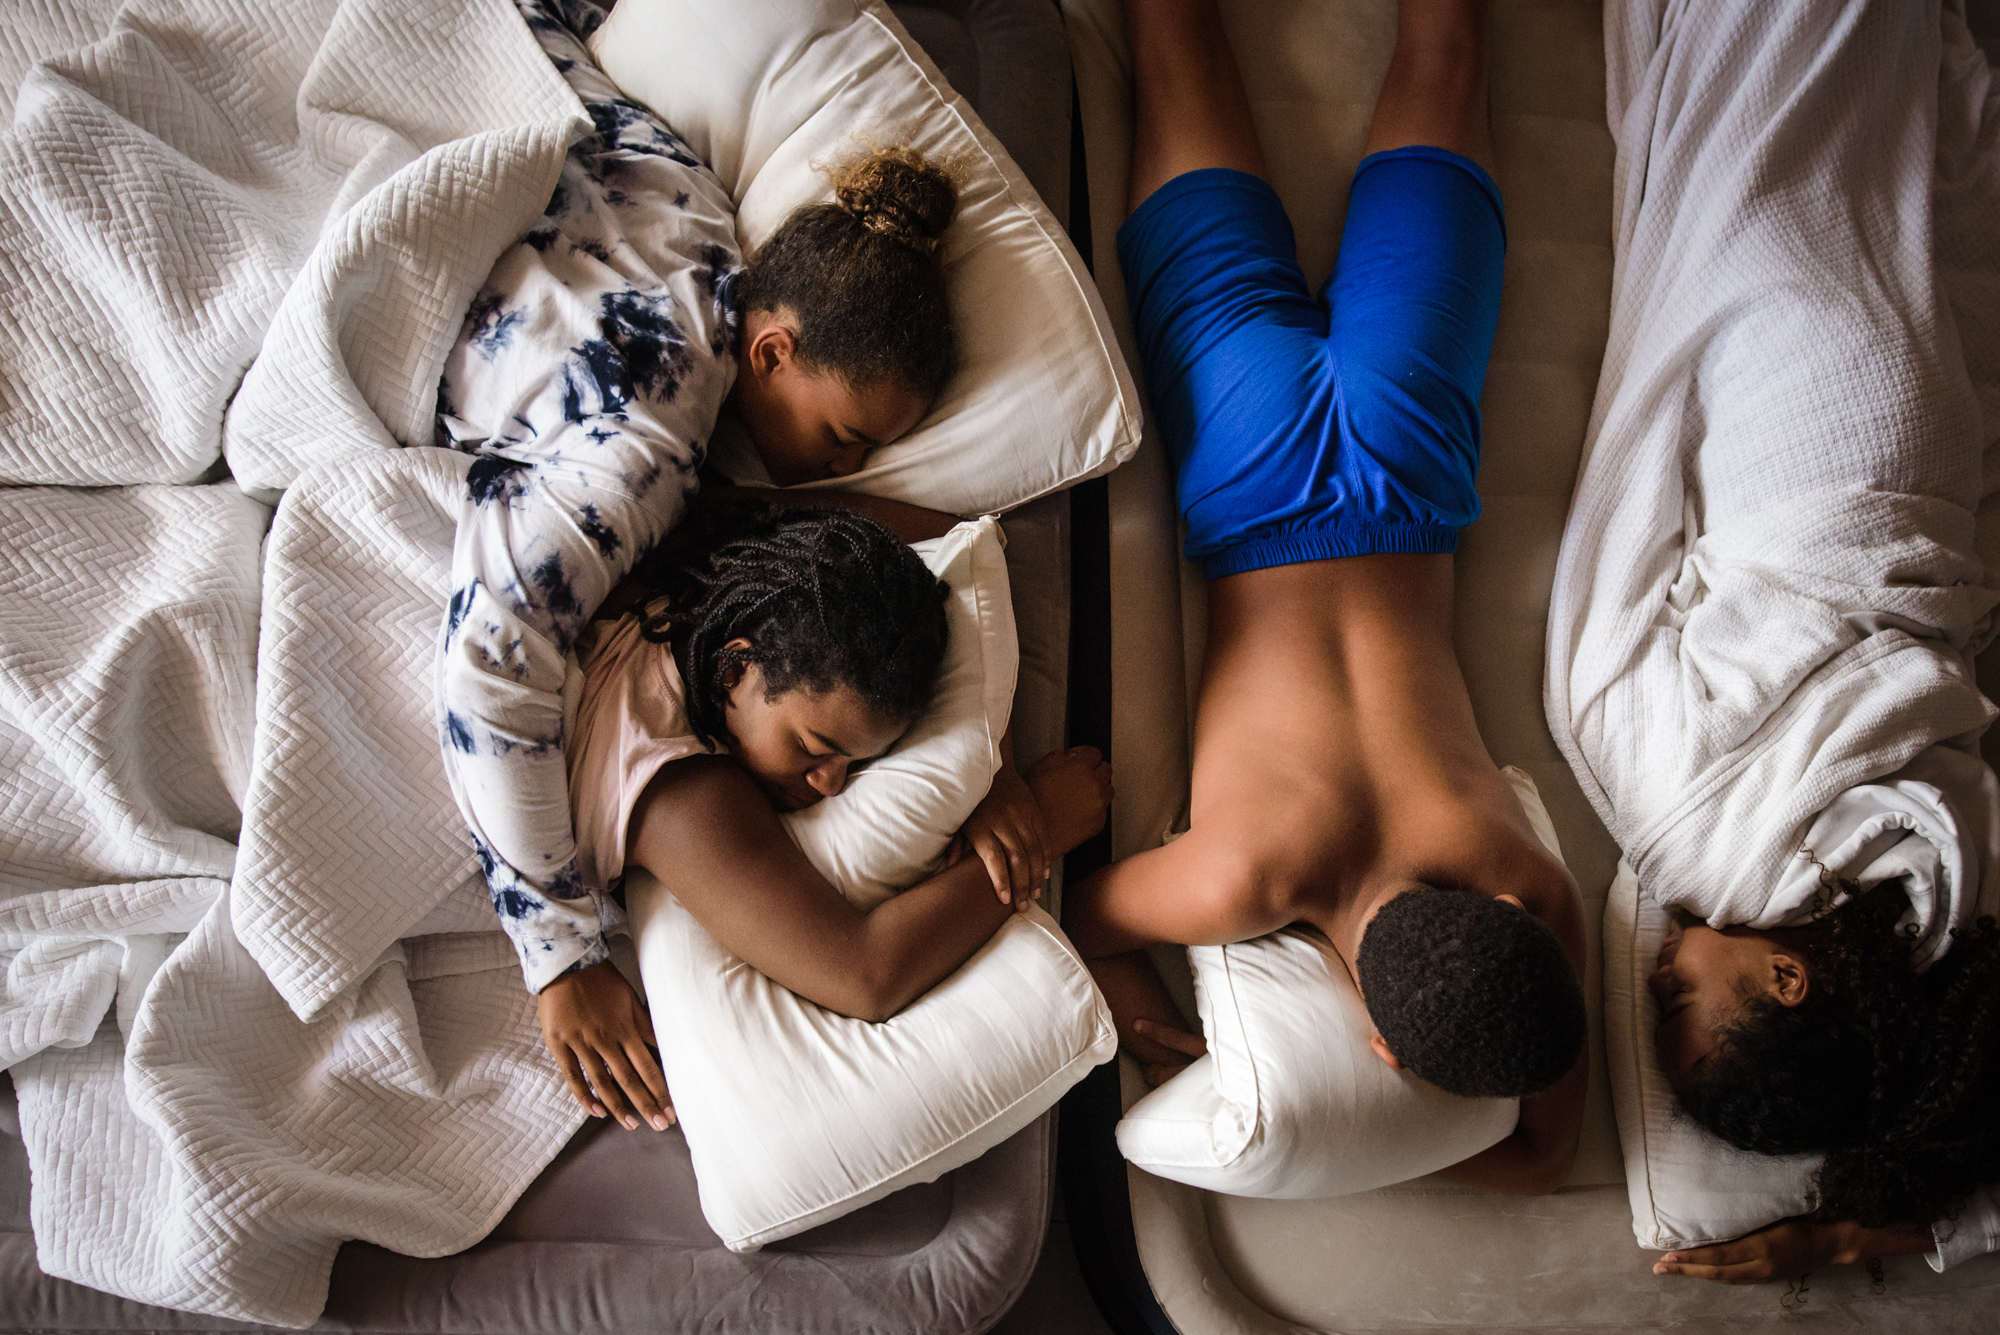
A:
827	598
862	277
1889	1072
1471	994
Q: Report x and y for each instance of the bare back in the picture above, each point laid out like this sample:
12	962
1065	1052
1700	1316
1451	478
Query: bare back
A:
1337	762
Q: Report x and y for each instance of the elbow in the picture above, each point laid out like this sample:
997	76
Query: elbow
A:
865	998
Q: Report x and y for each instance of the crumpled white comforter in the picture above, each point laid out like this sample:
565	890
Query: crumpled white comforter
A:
320	185
1779	558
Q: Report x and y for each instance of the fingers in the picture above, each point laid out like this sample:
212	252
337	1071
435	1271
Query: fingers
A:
1750	1273
662	1115
1158	1073
1727	1263
1180	1040
573	1076
994	854
626	1093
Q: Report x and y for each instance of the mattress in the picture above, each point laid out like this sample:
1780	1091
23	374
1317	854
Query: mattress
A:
1166	1257
610	1237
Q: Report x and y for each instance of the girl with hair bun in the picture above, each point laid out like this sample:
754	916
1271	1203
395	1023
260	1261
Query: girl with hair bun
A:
846	336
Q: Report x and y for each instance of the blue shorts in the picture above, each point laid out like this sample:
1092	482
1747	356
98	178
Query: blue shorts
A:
1300	429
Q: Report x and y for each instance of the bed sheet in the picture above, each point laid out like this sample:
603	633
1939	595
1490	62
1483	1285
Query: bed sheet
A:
1422	1254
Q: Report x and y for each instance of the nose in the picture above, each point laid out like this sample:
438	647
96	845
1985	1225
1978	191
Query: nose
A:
848	461
829	776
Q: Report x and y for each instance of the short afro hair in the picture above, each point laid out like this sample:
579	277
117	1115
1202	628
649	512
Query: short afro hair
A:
1471	994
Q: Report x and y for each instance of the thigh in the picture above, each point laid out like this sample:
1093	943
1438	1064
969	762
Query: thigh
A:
1227	327
1413	304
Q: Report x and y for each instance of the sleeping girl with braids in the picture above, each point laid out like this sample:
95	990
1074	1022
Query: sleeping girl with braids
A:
746	665
586	383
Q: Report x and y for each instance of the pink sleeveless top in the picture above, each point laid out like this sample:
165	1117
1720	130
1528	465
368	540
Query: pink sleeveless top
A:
632	720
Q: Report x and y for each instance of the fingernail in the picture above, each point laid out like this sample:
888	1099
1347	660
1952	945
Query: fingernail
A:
660	1124
631	1123
597	1110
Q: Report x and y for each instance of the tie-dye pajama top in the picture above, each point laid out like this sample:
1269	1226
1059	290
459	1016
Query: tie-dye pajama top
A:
587	380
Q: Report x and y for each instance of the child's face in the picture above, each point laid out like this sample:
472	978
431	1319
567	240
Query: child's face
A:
799	746
809	426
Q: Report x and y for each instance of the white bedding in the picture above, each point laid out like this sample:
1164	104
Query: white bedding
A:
322	186
1771	582
327	182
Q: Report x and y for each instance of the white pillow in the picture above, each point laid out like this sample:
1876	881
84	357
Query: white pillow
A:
889	828
766	92
1688	1188
796	1115
1290	1101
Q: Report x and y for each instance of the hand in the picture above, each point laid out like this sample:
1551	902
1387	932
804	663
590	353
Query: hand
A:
599	1033
1007	832
1784	1250
1140	1010
1073	789
1163	1051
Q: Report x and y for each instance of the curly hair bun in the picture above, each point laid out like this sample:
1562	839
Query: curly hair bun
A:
899	194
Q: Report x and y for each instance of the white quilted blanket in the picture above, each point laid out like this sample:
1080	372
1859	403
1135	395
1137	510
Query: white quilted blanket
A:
321	185
326	181
1771	581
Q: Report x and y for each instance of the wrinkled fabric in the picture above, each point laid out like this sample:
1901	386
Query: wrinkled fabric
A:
586	379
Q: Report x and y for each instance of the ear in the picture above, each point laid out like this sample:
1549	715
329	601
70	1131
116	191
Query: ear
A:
771	349
1381	1049
732	673
1790	982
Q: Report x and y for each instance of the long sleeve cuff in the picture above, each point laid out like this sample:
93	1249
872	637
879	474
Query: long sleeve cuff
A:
1975	1232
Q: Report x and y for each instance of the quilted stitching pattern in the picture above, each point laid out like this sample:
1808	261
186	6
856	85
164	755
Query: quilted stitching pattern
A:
350	837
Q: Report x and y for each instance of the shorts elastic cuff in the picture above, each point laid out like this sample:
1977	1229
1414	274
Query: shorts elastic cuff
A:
1326	544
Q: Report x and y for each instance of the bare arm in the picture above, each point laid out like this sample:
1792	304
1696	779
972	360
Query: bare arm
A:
1535	1158
707	832
1791	1247
1193	892
910	523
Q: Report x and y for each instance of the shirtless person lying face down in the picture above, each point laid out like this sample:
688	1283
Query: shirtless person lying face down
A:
1325	454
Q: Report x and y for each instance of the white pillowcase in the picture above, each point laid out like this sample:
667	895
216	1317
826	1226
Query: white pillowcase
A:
795	1115
888	829
767	93
1688	1188
1291	1102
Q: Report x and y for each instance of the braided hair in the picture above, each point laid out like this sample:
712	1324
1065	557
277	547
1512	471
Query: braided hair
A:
827	599
1892	1074
862	277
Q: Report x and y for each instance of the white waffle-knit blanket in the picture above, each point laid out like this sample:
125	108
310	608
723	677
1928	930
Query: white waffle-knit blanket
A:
1772	581
321	185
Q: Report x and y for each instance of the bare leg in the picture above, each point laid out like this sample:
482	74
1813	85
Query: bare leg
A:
1191	111
1435	91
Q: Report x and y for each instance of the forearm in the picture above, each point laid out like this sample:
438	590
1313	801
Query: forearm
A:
915	941
1535	1159
1846	1242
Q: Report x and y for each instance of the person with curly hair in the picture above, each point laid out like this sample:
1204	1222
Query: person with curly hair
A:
1828	1038
745	667
1325	447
